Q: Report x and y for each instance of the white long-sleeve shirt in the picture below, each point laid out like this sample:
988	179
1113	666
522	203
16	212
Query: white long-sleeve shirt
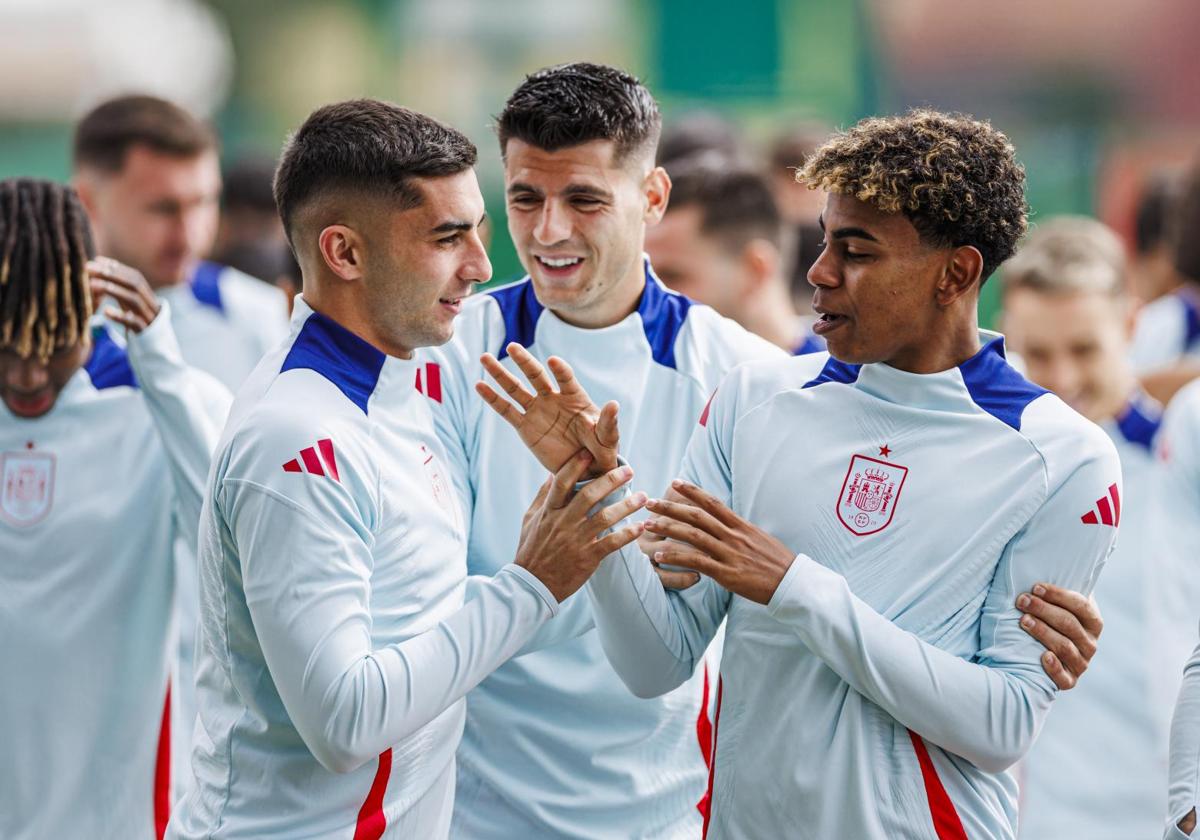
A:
555	746
1168	330
1099	766
886	687
335	647
92	497
1180	451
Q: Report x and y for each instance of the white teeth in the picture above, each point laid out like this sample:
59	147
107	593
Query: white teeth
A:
561	263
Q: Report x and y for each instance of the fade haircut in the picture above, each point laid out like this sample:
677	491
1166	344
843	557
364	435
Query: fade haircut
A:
955	178
105	135
1068	255
570	104
735	202
45	243
367	147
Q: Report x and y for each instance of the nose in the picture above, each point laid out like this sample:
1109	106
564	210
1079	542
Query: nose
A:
823	273
553	225
477	268
27	375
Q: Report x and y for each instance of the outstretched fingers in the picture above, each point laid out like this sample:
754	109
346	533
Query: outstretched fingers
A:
565	377
509	383
686	557
531	367
608	517
706	502
509	412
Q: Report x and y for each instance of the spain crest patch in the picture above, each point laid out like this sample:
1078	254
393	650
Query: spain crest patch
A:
26	487
870	493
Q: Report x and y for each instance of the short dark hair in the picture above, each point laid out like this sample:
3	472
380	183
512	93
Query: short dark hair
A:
735	202
1153	218
569	104
369	147
697	132
954	177
45	243
105	135
1187	230
246	185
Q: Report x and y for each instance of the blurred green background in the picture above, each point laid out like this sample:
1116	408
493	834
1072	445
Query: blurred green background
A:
1094	97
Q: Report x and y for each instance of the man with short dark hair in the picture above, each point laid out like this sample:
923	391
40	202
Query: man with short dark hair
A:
722	242
867	521
335	645
148	174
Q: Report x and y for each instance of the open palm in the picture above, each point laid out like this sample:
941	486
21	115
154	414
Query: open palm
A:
554	424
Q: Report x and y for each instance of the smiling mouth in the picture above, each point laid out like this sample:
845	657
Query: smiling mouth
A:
558	264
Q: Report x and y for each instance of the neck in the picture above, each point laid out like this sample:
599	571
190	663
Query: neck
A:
946	346
348	311
773	316
612	307
1122	394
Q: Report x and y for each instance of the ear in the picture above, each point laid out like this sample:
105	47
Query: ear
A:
342	249
760	259
657	189
962	274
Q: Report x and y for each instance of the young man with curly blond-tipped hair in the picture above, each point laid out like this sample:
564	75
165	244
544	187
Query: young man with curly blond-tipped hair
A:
867	520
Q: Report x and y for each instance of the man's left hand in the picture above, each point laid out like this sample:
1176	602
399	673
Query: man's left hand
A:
1067	624
127	286
737	554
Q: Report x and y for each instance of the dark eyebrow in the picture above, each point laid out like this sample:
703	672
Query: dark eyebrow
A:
457	226
847	232
520	186
584	189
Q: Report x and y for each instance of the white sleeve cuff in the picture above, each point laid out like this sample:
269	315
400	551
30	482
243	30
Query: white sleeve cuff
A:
531	581
790	593
158	338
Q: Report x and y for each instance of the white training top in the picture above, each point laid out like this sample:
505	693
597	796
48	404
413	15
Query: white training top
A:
554	743
1168	329
92	496
887	685
1099	766
335	648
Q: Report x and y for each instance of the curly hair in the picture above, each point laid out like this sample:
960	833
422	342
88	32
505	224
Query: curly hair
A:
954	177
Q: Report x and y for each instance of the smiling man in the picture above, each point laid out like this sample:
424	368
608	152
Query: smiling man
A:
865	521
335	645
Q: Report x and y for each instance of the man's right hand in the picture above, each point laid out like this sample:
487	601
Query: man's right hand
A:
559	541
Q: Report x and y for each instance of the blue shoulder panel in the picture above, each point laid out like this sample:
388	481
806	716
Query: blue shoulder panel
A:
811	343
835	371
343	358
520	309
205	284
663	313
1140	421
1191	316
996	387
108	366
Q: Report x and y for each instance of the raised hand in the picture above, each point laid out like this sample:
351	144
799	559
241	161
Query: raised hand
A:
127	286
560	544
1068	625
553	424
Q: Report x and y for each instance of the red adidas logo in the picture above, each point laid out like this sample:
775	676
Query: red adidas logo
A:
432	386
326	464
707	406
1109	508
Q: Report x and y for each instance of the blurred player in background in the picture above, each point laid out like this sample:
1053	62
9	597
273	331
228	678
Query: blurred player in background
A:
250	237
801	209
1166	345
1099	766
722	242
878	683
148	174
104	450
1180	452
700	133
555	746
336	647
1152	271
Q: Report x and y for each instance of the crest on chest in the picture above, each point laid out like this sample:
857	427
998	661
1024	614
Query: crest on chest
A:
26	487
870	494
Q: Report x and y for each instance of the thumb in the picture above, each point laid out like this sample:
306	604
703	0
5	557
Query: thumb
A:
606	427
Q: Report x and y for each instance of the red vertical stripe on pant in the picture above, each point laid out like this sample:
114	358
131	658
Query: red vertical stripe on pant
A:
945	818
707	802
371	821
162	771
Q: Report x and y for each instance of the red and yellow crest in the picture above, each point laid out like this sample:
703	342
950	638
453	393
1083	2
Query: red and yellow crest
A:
870	493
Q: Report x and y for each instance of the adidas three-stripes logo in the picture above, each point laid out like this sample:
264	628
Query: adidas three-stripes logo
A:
1108	509
326	464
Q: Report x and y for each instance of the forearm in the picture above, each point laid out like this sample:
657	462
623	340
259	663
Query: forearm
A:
987	715
654	638
1185	745
350	702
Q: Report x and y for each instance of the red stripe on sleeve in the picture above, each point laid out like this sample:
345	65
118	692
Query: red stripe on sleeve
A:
945	818
371	821
704	725
433	381
1089	518
706	803
1105	511
326	447
704	413
418	382
1116	497
311	462
162	771
292	466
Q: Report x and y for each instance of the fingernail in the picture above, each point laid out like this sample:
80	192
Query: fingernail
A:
626	472
1023	602
658	556
1038	589
651	522
1027	622
640	498
1048	658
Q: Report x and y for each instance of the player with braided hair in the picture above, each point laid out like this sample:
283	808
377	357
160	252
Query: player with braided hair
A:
104	446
